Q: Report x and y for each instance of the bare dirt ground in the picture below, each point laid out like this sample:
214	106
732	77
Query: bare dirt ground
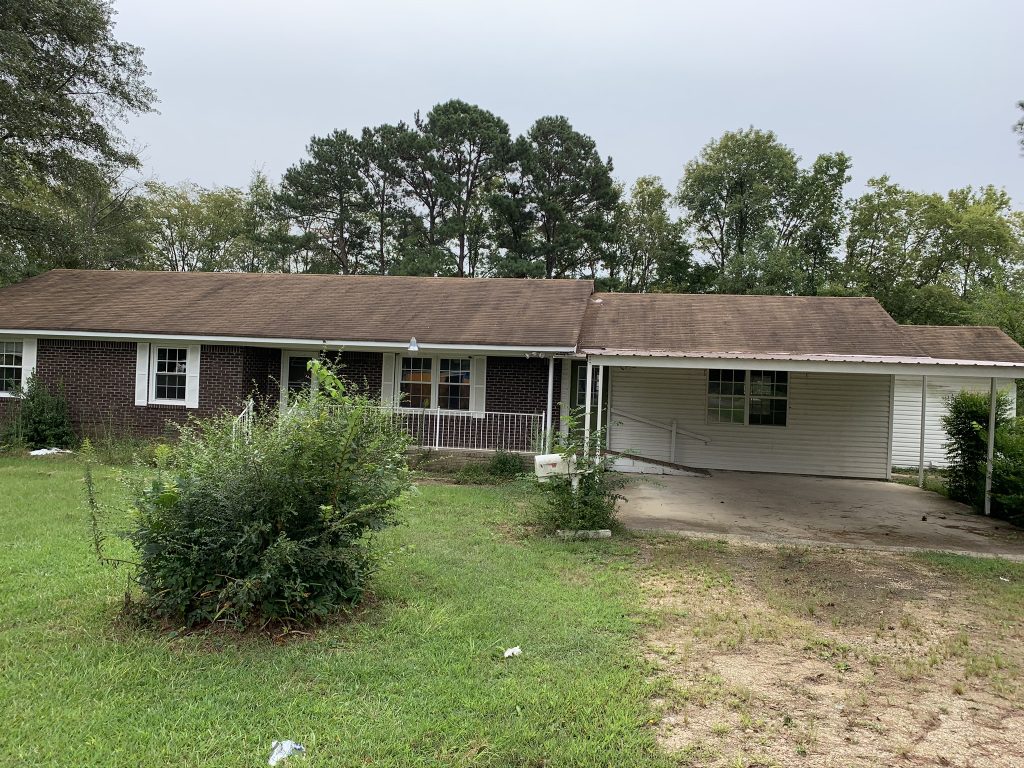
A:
791	657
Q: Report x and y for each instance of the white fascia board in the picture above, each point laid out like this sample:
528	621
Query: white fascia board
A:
309	344
913	366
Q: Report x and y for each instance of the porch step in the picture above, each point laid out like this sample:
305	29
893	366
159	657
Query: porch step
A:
659	463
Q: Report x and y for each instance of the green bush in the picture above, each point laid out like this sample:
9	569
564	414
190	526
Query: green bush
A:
967	450
586	498
41	419
270	523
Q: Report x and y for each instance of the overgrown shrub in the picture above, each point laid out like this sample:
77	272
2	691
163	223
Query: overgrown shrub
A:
1008	472
41	419
585	498
501	467
966	423
269	523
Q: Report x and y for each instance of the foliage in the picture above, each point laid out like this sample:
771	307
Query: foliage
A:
1008	472
500	467
586	497
65	83
650	245
41	419
966	424
929	258
766	225
271	526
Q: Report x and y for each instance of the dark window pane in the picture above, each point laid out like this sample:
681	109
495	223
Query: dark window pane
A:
299	376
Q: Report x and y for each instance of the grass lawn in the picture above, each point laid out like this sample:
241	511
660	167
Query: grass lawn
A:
417	679
641	651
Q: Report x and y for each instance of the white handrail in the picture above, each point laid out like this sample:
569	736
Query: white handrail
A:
667	427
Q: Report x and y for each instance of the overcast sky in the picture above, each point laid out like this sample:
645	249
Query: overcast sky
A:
923	91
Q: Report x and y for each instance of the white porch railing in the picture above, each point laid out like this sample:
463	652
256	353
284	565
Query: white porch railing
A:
472	430
243	421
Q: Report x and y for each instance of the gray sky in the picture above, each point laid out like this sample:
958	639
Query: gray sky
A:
923	91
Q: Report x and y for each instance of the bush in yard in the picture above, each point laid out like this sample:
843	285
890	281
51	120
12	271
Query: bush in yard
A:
966	423
586	498
1008	472
41	420
270	523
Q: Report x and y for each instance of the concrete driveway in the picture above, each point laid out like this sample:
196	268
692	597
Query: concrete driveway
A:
793	509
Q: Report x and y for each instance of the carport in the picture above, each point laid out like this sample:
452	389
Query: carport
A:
813	511
798	385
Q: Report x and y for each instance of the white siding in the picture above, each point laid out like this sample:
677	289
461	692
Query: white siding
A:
838	424
906	432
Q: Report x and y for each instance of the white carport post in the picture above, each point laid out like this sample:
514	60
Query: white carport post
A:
924	414
586	407
548	434
991	446
600	397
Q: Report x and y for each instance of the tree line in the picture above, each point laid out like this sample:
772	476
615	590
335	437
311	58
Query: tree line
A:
453	192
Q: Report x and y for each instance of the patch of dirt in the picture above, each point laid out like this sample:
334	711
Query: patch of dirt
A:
783	657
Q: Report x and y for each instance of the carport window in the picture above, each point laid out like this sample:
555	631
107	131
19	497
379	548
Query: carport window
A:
763	403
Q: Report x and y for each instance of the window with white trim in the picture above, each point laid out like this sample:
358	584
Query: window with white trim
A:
170	374
11	366
416	382
756	398
453	385
445	383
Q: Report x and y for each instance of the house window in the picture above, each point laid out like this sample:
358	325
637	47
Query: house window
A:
726	395
10	366
299	375
169	373
757	398
416	382
453	384
769	396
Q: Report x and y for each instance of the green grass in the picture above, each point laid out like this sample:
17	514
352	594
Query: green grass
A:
415	679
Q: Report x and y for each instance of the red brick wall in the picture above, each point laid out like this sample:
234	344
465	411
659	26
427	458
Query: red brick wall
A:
98	380
520	385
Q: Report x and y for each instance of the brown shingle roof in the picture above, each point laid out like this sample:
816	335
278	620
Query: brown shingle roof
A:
720	324
510	312
964	342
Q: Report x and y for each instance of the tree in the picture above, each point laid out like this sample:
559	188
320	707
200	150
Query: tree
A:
764	223
65	82
196	229
468	148
325	196
563	189
648	238
387	214
1018	127
265	242
926	257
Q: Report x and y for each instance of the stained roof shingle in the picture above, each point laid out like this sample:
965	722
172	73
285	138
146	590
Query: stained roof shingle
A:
501	312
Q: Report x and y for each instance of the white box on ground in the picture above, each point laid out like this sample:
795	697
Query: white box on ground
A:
547	464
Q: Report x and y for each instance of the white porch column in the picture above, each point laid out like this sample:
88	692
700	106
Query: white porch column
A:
586	406
924	415
600	397
548	433
993	396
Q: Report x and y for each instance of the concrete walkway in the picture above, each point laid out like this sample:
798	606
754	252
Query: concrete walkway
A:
814	511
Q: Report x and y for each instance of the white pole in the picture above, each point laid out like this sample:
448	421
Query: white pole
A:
924	415
600	397
586	407
993	397
551	394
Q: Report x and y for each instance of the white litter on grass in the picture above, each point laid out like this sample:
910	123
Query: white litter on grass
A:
47	451
1003	578
510	652
283	750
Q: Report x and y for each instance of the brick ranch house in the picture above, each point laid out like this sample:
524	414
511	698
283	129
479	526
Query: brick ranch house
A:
809	385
